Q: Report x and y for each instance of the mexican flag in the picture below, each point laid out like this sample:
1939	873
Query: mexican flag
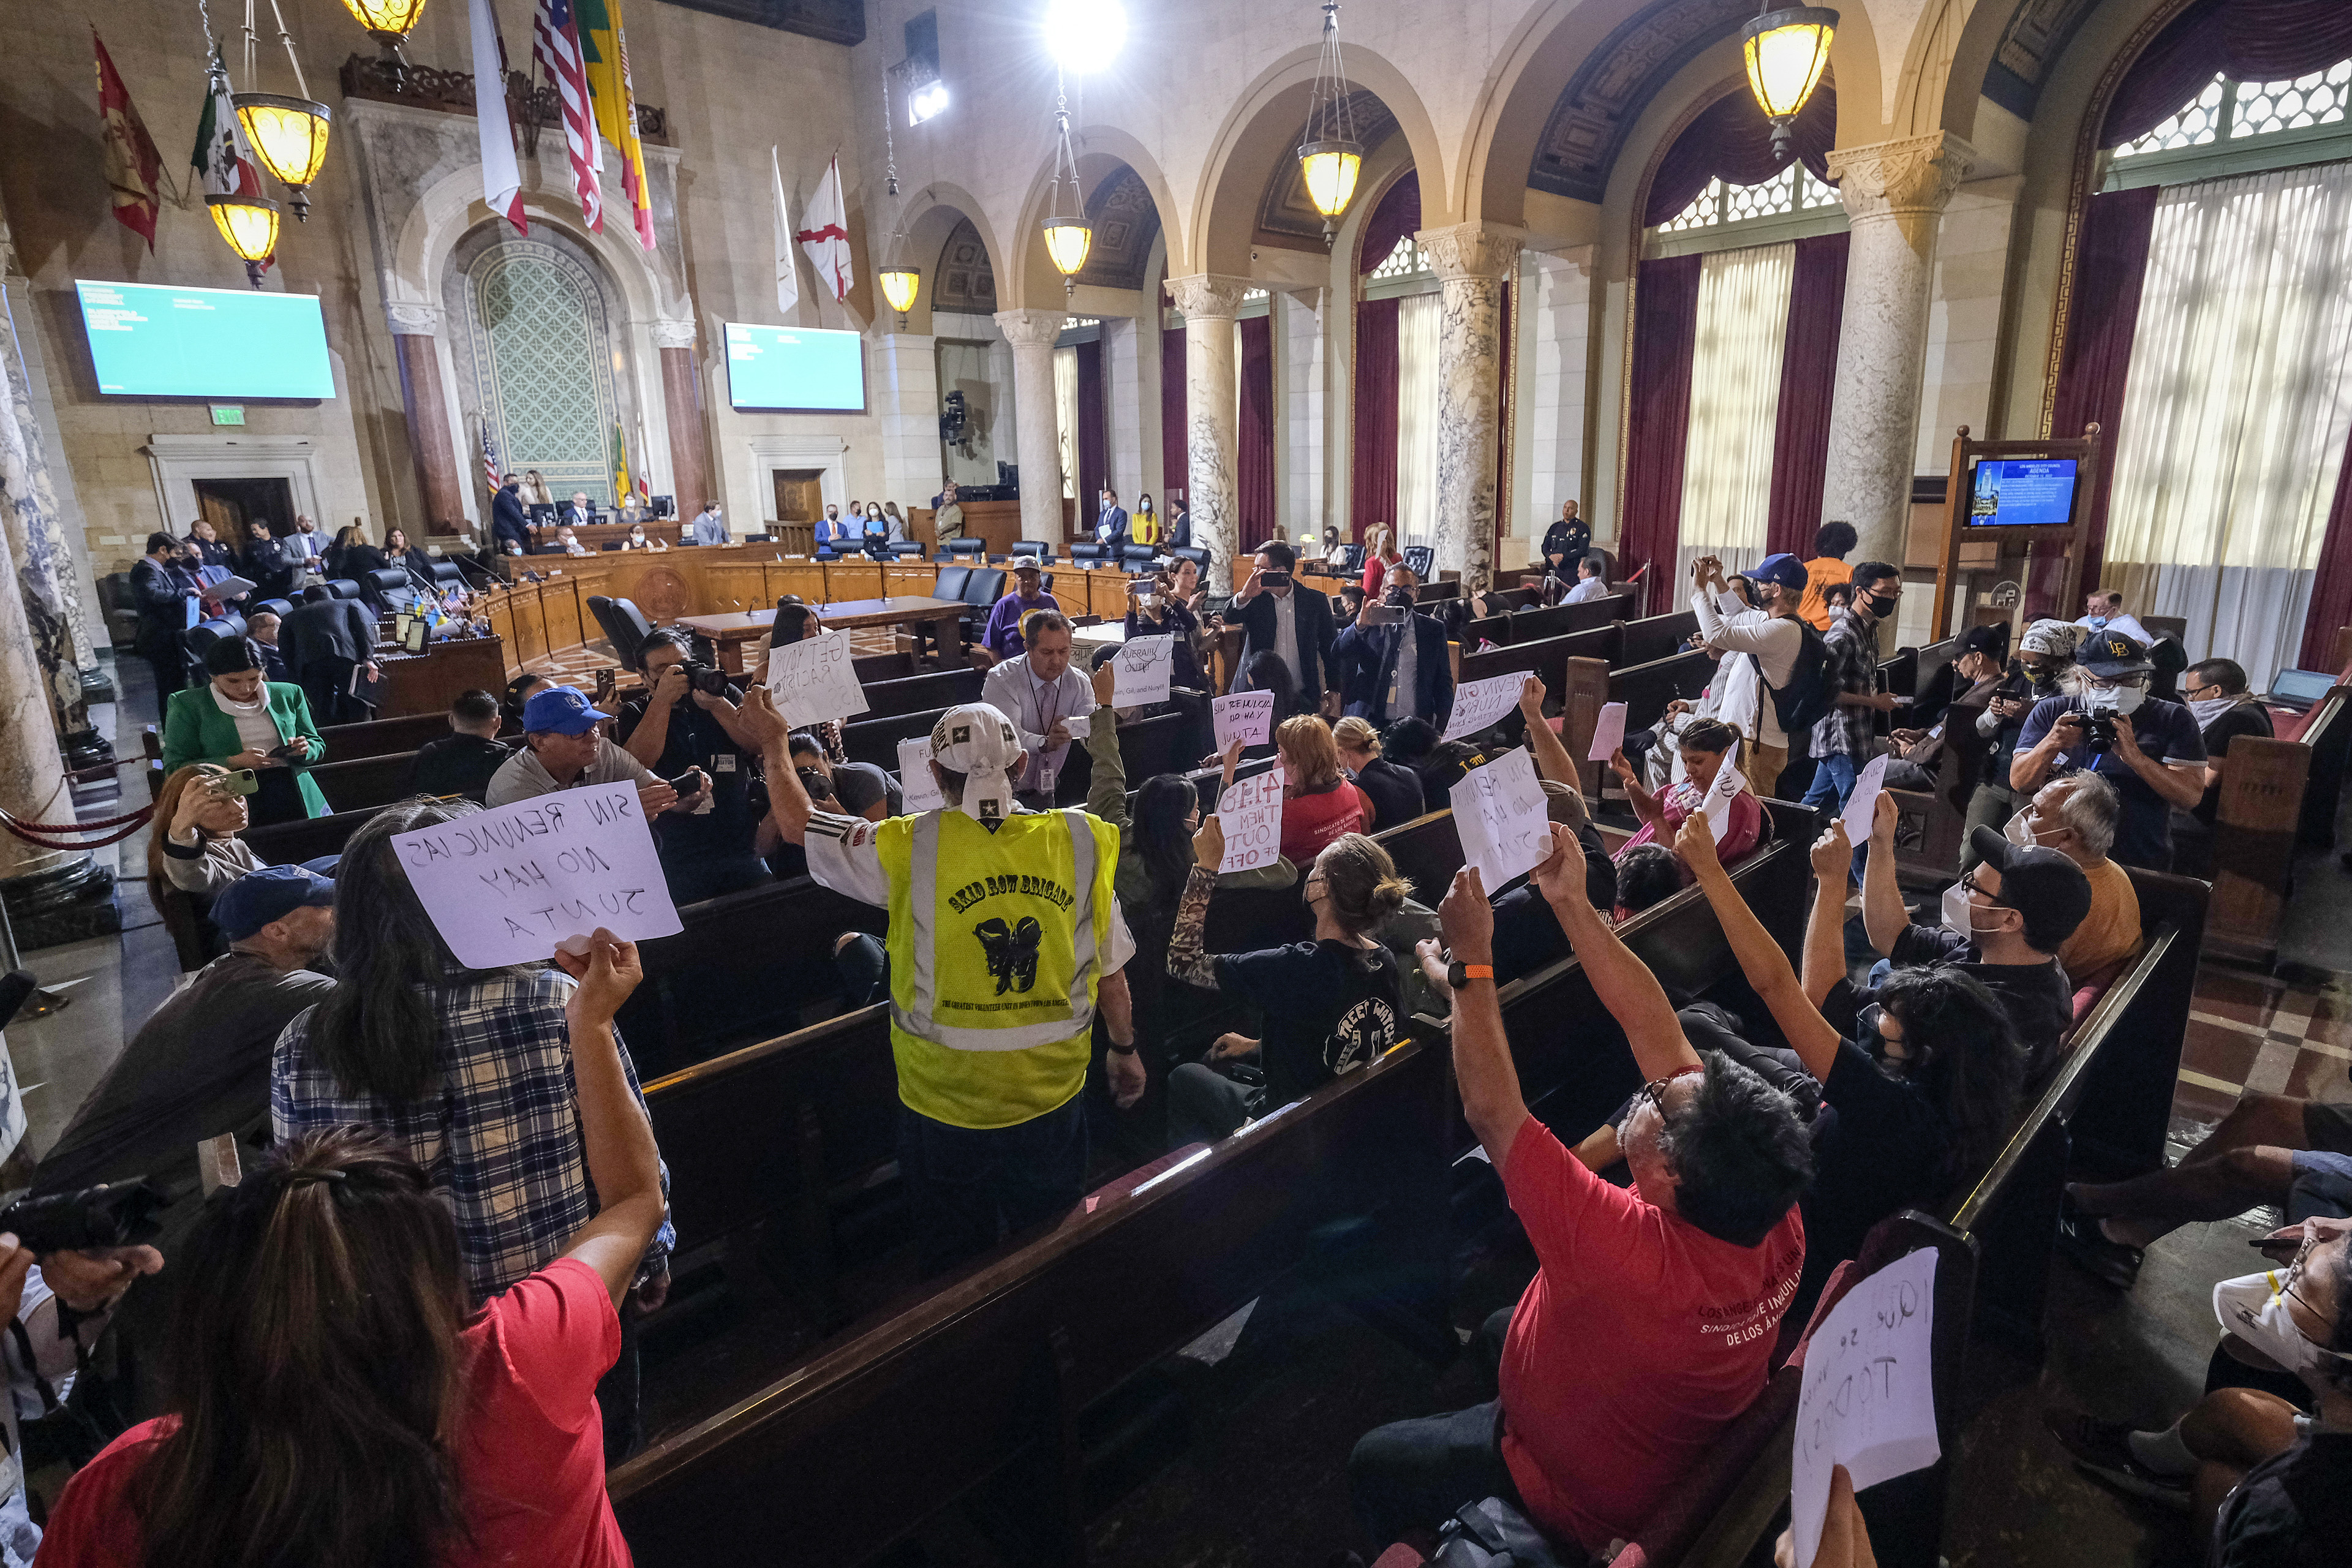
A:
222	160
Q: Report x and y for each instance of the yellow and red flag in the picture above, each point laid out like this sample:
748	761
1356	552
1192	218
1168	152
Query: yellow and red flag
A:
134	171
604	49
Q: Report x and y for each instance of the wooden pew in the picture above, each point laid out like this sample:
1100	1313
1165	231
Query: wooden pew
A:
362	783
1534	625
918	693
2272	790
1547	658
382	737
1588	684
290	843
1932	825
1657	636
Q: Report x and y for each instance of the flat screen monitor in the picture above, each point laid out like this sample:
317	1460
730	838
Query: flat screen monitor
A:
153	341
797	368
2022	492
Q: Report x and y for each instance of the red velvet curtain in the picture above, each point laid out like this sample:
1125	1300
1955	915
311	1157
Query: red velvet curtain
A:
1732	139
1666	330
1800	431
1398	214
2108	270
2248	40
1094	454
2331	591
1253	459
1175	450
1372	490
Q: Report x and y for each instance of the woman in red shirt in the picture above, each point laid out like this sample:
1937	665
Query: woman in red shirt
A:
1378	560
1319	802
332	1401
1706	746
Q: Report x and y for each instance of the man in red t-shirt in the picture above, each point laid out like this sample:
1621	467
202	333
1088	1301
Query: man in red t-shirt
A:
1653	1312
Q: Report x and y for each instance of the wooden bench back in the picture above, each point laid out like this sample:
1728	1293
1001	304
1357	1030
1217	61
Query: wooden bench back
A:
1657	636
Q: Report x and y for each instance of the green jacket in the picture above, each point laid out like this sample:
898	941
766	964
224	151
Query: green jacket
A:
196	731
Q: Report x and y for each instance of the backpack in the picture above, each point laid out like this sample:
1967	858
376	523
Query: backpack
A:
1494	1534
1806	700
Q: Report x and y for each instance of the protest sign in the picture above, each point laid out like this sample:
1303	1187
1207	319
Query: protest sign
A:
1728	782
1608	732
1140	670
1864	804
1478	703
1498	810
1868	1401
1246	716
1251	815
812	681
511	885
1077	726
915	780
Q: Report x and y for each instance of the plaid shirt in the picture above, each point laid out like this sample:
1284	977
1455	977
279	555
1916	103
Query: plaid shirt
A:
1852	666
500	1135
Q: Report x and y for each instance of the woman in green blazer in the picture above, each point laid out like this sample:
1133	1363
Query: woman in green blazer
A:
237	719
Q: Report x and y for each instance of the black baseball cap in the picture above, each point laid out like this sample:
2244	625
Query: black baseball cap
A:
2109	653
1989	641
2043	885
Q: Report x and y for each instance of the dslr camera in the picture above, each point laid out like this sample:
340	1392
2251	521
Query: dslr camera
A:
2099	734
112	1214
703	677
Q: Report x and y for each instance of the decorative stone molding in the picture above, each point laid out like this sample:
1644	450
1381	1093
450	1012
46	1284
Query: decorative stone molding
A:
408	318
1209	295
673	334
1031	328
1910	180
1483	252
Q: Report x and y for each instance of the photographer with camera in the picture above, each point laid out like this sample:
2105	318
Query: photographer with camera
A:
2107	724
686	720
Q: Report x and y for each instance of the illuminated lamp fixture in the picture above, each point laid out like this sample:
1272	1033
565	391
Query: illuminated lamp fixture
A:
1069	238
1786	52
390	21
1329	156
250	224
289	134
900	281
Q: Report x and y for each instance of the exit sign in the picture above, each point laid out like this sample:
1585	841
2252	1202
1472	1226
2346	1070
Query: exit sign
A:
229	413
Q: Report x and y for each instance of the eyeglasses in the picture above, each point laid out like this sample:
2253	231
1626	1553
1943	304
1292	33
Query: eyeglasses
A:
2104	683
2199	693
1654	1091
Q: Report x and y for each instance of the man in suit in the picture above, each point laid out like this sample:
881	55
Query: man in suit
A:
1396	670
1110	523
510	524
323	639
580	513
710	527
1295	627
164	588
1179	528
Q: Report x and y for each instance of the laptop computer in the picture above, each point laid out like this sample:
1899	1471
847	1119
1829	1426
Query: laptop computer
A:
2297	690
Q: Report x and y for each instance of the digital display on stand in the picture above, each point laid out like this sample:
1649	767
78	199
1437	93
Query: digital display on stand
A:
2022	492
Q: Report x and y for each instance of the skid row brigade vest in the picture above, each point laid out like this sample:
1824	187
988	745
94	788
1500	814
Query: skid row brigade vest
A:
995	945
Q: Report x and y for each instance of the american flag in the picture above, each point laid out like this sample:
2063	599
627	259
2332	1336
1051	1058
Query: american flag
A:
556	44
489	458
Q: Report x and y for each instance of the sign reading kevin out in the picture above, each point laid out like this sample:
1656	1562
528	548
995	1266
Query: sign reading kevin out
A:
511	885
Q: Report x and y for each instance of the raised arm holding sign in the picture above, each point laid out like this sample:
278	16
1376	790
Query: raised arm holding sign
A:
1499	813
1250	813
1869	1397
1608	731
813	680
1141	669
1245	716
916	785
1479	704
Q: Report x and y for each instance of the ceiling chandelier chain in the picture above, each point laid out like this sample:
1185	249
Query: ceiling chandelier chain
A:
1068	235
1329	156
900	280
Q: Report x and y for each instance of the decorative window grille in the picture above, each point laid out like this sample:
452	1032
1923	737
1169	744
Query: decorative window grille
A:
1405	260
1791	191
2227	111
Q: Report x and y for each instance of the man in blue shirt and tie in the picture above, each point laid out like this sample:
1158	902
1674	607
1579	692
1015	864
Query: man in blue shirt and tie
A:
831	529
1110	523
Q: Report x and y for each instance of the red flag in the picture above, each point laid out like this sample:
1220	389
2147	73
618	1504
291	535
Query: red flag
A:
134	171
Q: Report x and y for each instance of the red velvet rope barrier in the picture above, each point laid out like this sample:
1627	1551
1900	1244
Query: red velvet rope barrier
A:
34	832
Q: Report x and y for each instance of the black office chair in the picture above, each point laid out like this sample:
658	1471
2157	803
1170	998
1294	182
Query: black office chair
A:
981	591
1349	558
1087	549
345	588
549	550
609	545
448	575
625	626
951	582
1037	547
1139	558
280	607
969	549
1421	558
1198	554
906	550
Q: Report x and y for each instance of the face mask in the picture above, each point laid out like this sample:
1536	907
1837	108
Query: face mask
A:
1881	606
2098	622
1399	598
2254	1307
1959	917
2114	700
2208	709
2019	830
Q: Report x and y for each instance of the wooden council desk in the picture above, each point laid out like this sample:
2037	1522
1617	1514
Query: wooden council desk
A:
428	682
729	633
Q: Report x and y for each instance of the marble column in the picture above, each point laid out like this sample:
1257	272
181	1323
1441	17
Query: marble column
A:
1471	260
416	339
689	467
912	467
1895	194
1032	335
1210	302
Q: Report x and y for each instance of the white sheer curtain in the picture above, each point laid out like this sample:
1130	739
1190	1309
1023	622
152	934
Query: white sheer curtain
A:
2235	411
1743	322
1065	415
1417	510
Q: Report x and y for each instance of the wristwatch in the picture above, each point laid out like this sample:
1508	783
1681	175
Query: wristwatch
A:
1458	974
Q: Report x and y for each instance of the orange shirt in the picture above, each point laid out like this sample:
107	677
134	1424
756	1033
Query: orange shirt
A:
1819	575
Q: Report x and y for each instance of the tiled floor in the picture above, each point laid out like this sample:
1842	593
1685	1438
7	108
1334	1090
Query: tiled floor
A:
2251	1032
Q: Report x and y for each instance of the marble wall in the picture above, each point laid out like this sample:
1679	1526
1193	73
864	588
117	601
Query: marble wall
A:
1300	333
1963	319
1552	338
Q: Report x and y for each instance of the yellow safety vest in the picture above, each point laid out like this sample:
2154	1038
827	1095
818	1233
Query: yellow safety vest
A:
995	945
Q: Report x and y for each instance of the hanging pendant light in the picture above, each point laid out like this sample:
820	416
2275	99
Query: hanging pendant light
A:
289	134
1330	159
1069	238
250	224
900	280
390	21
1786	52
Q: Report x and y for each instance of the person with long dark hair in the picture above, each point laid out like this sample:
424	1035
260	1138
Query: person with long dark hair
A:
350	555
244	722
334	1394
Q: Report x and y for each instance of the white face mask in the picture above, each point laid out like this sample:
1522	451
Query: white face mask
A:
1958	916
2254	1307
2208	709
2124	700
2019	830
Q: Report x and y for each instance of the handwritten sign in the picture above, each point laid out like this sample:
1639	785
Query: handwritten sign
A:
1608	731
1869	1398
1251	815
1863	805
1728	782
1246	716
1141	667
511	885
812	681
1077	726
915	780
1477	704
1499	811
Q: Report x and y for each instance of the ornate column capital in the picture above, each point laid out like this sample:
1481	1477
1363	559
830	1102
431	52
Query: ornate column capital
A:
412	318
1210	294
1910	180
1031	328
1483	252
673	334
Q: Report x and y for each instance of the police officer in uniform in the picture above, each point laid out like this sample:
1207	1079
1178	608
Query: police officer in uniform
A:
1004	940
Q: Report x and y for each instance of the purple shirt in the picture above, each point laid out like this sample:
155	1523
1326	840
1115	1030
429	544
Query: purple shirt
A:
1002	637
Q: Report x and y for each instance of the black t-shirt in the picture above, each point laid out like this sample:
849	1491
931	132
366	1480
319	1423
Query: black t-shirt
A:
2245	719
857	785
457	765
695	739
1393	790
2038	997
2291	1512
1884	1149
1329	1009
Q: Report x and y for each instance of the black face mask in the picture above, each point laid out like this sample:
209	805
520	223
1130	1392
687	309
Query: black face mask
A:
1881	606
1399	598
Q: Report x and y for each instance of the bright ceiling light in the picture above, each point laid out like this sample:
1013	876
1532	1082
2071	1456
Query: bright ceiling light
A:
1084	35
926	101
1786	53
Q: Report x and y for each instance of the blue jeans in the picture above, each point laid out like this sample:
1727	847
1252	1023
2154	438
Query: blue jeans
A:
1833	782
970	1187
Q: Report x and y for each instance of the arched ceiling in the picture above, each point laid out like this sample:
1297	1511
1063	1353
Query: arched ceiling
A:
1598	107
966	280
1126	221
1285	217
2037	33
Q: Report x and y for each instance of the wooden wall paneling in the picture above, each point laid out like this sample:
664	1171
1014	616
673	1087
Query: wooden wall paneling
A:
917	578
561	608
805	578
851	580
530	622
734	585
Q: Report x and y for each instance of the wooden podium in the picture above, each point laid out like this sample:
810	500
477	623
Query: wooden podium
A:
2045	560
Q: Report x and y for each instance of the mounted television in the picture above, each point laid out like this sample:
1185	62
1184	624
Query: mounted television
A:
151	340
795	370
2022	492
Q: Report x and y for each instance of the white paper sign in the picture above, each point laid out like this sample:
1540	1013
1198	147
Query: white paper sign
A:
1728	782
915	781
1141	667
1863	805
812	681
1479	704
1869	1397
506	886
1498	810
1251	815
1608	731
1246	716
1077	726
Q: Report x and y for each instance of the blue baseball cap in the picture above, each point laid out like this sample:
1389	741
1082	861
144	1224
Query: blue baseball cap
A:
562	711
271	893
1784	569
